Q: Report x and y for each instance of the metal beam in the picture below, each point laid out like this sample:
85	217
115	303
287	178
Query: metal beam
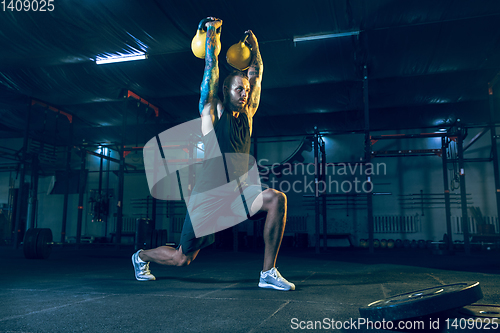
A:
463	193
81	192
447	204
18	232
323	195
66	188
121	178
410	136
476	137
109	158
316	189
34	192
494	148
368	147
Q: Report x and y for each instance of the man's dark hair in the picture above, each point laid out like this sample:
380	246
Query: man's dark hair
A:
229	79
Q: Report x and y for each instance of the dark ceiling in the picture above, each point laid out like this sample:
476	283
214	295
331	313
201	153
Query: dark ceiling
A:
428	62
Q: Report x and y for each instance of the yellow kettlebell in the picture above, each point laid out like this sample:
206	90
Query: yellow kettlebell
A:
239	55
200	40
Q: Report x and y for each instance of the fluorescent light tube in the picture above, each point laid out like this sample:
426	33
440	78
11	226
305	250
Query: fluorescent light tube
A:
325	36
130	57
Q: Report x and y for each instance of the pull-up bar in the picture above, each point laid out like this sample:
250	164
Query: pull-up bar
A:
51	108
131	94
410	136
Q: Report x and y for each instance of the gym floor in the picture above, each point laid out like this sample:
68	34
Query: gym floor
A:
94	290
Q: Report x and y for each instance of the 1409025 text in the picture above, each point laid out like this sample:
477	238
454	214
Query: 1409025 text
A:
27	5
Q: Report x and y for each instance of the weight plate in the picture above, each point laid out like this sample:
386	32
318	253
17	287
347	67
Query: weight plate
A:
44	243
480	311
29	243
423	302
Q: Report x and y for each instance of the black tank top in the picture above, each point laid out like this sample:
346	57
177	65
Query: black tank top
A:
230	135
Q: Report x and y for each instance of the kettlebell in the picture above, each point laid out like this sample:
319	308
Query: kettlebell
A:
239	55
200	40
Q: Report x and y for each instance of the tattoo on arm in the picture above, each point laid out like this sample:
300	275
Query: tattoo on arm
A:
210	82
256	67
255	77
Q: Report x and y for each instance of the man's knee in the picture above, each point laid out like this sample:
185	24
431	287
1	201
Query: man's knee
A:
275	197
281	197
183	259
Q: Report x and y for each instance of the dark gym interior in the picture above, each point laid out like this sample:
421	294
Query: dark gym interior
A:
378	119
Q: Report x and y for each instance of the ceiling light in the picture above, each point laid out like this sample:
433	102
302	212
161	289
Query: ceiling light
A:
325	36
112	59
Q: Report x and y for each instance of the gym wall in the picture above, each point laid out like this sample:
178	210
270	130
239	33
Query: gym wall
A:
399	179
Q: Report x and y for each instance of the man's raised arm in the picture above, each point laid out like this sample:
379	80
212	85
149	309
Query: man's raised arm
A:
254	74
209	86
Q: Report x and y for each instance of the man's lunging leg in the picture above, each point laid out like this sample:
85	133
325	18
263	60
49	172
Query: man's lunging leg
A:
274	203
166	255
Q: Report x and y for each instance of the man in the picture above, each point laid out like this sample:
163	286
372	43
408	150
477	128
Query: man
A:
226	126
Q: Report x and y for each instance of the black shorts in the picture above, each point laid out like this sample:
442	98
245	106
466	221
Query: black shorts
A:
210	208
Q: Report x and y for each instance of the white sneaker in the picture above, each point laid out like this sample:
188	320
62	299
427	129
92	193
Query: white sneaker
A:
142	272
273	279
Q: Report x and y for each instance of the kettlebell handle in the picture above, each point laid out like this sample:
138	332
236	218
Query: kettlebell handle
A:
244	38
201	25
